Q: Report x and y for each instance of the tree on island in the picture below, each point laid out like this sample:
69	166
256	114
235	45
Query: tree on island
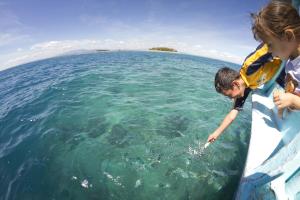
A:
163	49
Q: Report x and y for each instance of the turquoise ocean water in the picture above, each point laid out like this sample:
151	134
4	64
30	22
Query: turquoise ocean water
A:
118	125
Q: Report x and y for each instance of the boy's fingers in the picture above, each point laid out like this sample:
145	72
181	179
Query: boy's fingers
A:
208	139
211	139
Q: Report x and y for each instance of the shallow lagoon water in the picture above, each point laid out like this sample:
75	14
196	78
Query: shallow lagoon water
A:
118	125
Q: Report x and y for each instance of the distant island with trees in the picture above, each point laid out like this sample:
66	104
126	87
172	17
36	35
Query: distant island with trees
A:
102	50
163	49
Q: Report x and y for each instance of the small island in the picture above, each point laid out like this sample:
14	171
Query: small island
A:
163	49
102	50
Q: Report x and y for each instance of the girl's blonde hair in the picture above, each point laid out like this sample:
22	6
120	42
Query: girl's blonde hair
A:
274	20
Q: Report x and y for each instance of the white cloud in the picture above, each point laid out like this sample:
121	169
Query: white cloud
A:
55	48
209	42
9	20
92	19
198	37
9	38
12	30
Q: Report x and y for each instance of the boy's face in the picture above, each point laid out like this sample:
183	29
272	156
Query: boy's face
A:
236	91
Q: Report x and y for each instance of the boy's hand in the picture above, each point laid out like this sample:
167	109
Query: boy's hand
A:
283	100
212	137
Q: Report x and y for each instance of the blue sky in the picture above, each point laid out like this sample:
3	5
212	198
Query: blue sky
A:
35	29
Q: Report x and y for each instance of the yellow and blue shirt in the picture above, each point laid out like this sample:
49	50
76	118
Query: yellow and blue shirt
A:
258	68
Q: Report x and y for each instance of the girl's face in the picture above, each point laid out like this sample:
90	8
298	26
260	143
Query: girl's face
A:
281	48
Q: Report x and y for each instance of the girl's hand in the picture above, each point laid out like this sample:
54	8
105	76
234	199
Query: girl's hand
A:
283	100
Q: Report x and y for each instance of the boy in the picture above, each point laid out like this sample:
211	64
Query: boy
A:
258	68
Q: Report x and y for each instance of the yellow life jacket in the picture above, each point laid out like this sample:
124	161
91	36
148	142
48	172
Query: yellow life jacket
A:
259	67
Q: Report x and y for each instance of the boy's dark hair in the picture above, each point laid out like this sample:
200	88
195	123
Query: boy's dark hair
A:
224	78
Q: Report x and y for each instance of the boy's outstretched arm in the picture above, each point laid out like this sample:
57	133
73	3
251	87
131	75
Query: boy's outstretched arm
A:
230	117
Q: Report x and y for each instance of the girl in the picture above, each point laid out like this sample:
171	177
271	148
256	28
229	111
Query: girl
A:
278	25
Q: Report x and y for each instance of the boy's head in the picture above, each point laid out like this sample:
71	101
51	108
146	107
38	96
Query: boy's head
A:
229	83
278	25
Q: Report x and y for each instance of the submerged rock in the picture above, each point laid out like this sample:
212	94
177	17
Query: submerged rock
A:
97	127
66	132
114	89
118	136
174	126
65	194
170	171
